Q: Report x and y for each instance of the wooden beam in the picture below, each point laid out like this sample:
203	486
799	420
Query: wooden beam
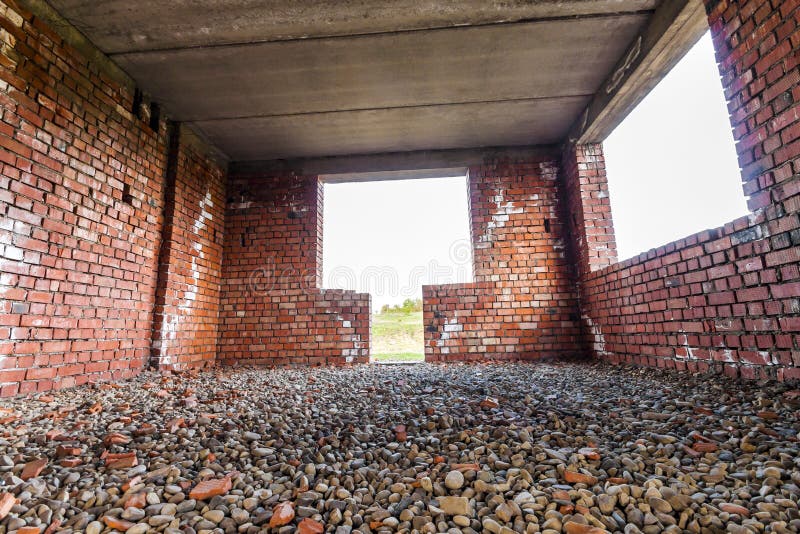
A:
674	28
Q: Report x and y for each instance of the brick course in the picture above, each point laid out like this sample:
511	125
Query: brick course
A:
727	298
190	263
273	311
523	303
81	188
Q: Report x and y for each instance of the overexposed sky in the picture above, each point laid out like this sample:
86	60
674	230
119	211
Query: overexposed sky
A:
389	238
672	172
671	164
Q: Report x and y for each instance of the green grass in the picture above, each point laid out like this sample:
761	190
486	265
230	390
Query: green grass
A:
397	336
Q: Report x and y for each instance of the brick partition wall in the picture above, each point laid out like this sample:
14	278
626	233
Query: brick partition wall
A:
273	311
81	188
190	262
522	303
727	298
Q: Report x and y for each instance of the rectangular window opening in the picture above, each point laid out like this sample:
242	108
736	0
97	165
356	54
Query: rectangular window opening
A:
671	164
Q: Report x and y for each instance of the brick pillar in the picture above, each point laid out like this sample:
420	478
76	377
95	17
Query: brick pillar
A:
588	207
757	45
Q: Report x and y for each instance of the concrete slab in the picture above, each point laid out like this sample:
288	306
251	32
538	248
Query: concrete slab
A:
538	121
470	64
122	26
270	79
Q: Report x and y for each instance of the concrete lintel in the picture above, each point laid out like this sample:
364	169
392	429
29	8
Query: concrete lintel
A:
392	175
675	27
395	162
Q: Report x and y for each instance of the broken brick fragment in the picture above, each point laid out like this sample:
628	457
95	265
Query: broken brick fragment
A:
70	462
702	446
309	526
123	460
115	438
173	425
33	468
7	502
282	514
64	450
128	484
589	453
95	408
117	523
734	509
489	403
573	477
211	488
571	527
466	467
138	500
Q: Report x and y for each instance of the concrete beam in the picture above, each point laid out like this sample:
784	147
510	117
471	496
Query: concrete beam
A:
416	164
674	28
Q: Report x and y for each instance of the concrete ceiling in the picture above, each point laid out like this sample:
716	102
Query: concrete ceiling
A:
287	79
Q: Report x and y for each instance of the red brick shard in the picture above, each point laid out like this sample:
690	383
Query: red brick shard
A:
124	460
117	523
32	469
282	514
211	488
7	502
116	438
174	424
734	509
309	526
136	501
489	403
573	477
63	451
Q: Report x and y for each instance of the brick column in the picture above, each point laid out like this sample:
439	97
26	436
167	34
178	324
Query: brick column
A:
588	207
758	50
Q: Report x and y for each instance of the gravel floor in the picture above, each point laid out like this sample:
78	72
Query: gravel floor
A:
497	448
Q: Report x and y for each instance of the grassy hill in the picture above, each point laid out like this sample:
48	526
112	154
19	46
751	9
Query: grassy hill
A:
397	335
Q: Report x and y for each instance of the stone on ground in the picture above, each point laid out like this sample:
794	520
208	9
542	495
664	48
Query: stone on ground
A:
550	448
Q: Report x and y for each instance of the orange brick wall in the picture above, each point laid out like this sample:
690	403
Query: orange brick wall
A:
81	192
523	303
190	262
273	311
729	298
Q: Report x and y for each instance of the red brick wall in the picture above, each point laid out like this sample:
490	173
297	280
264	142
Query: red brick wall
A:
588	207
272	310
81	188
190	263
727	298
523	303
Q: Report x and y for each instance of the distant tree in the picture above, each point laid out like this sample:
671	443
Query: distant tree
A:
408	306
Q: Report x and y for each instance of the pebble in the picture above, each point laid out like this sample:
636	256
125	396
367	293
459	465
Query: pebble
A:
454	480
501	448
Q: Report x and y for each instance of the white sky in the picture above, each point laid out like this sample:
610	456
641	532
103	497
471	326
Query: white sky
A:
671	164
672	172
389	238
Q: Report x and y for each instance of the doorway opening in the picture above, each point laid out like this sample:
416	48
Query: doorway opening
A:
388	234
